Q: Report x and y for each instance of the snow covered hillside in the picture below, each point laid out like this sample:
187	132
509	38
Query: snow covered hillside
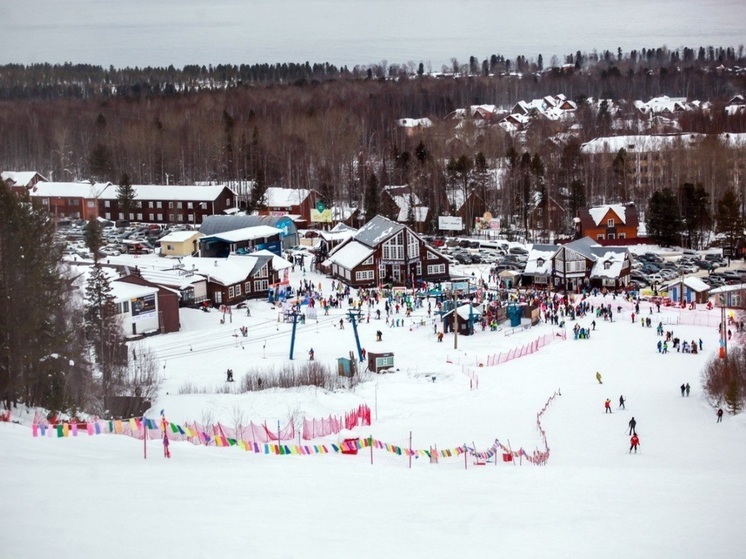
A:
682	495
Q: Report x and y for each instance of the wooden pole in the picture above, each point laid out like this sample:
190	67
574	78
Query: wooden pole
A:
370	440
455	321
465	458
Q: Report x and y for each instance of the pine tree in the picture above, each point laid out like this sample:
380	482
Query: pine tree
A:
94	238
729	220
126	195
103	330
664	219
695	214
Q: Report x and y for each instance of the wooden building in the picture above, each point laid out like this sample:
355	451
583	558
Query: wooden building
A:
607	224
386	252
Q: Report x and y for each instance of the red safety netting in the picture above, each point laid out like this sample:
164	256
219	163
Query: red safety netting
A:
314	428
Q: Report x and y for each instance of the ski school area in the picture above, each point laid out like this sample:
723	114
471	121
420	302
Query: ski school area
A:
441	442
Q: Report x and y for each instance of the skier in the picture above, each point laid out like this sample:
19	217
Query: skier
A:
229	375
166	452
310	354
621	402
632	425
634	443
687	388
683	389
607	405
720	415
598	377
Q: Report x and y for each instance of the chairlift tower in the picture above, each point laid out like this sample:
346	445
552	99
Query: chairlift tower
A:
353	315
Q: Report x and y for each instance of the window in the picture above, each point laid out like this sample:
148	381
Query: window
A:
190	205
203	205
171	218
121	215
138	205
364	275
132	216
261	285
159	205
179	217
600	237
90	203
247	287
607	265
431	255
262	273
150	204
238	290
418	268
413	245
610	223
179	205
436	269
611	236
123	307
139	217
228	202
231	292
218	297
107	215
368	262
539	262
151	217
169	247
160	217
393	249
622	235
107	204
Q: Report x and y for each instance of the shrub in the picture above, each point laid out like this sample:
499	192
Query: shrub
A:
725	379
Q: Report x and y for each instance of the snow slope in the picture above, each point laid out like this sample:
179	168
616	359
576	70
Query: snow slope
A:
682	496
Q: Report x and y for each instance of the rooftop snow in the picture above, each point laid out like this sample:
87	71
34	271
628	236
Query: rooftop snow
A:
349	255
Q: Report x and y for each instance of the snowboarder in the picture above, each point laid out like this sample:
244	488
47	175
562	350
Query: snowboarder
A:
632	425
621	402
634	443
683	389
720	415
688	388
598	377
607	405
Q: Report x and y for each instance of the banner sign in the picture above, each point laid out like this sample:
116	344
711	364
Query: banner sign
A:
450	223
143	307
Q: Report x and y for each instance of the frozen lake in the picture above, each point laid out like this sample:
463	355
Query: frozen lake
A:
179	32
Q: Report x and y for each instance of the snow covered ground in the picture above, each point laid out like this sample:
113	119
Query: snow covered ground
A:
681	496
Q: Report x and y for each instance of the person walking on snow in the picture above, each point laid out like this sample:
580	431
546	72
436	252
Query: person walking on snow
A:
720	415
607	405
598	377
621	402
687	388
683	389
634	443
632	425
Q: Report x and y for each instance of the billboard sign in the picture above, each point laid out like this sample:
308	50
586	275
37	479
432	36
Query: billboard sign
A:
450	223
143	307
324	216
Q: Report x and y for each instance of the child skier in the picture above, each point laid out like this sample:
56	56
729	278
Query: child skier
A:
634	443
607	405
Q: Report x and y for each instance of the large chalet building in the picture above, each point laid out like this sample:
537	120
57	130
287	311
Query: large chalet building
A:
386	252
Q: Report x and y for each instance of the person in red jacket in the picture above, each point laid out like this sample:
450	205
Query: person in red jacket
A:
634	443
607	405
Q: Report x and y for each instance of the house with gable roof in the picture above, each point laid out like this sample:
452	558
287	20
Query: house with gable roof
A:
607	224
21	182
386	252
584	264
296	203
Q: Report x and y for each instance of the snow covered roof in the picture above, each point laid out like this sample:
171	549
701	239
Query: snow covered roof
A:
71	190
168	192
349	255
245	234
20	178
278	262
652	143
414	122
401	195
213	224
180	236
539	261
178	278
608	265
225	271
598	213
693	283
285	197
377	230
124	291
